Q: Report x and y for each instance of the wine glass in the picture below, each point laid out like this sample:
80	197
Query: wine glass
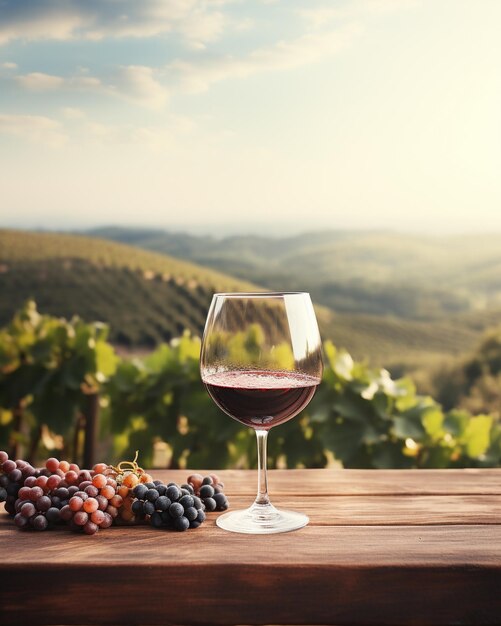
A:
261	362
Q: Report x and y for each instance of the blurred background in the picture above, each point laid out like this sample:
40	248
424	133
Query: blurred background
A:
154	153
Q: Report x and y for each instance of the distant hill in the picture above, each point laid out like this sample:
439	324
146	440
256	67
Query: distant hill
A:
147	298
407	276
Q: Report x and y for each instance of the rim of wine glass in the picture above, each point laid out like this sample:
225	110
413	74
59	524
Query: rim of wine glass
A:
261	294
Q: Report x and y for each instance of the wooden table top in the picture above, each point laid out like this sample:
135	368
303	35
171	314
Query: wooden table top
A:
382	547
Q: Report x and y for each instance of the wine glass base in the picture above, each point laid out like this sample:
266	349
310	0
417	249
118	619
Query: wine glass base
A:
262	520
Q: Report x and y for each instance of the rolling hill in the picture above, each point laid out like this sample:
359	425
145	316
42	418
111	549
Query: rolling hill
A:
149	297
145	297
406	276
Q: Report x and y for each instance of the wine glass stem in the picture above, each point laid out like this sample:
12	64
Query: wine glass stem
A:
262	479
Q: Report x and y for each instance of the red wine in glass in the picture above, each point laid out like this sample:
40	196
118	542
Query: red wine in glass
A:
261	362
261	399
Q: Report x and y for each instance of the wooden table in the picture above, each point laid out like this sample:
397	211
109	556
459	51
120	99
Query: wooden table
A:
382	547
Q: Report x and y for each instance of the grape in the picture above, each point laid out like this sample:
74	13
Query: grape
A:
27	509
43	504
181	523
53	482
176	509
90	505
207	480
173	493
108	492
196	481
197	503
64	466
16	475
40	522
152	495
116	501
53	515
163	503
220	499
98	517
52	465
91	491
206	491
130	480
113	511
80	518
108	521
191	513
156	519
71	477
210	504
187	501
102	502
75	503
20	520
8	466
140	491
99	481
90	528
66	513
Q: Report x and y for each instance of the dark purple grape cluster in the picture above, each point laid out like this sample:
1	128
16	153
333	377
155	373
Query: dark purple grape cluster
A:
210	490
167	506
12	477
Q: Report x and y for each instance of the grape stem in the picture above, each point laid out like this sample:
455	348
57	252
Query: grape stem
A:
126	467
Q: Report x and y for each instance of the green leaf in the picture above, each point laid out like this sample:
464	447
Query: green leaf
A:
433	420
106	359
477	435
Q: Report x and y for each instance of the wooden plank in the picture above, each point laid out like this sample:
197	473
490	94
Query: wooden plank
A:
379	510
339	546
389	510
319	575
356	482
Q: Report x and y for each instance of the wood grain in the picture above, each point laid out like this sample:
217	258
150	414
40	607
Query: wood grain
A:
395	558
357	482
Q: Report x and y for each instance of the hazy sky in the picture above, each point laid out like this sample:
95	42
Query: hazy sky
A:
243	114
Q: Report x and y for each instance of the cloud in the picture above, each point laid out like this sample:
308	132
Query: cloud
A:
138	83
38	81
8	65
72	113
197	21
135	83
284	55
319	16
35	128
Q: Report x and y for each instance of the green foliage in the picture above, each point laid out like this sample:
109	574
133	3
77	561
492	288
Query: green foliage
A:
359	417
47	368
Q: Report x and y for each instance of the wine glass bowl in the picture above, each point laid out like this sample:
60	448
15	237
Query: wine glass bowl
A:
261	362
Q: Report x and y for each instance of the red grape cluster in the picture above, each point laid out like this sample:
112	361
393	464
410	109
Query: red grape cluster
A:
93	500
